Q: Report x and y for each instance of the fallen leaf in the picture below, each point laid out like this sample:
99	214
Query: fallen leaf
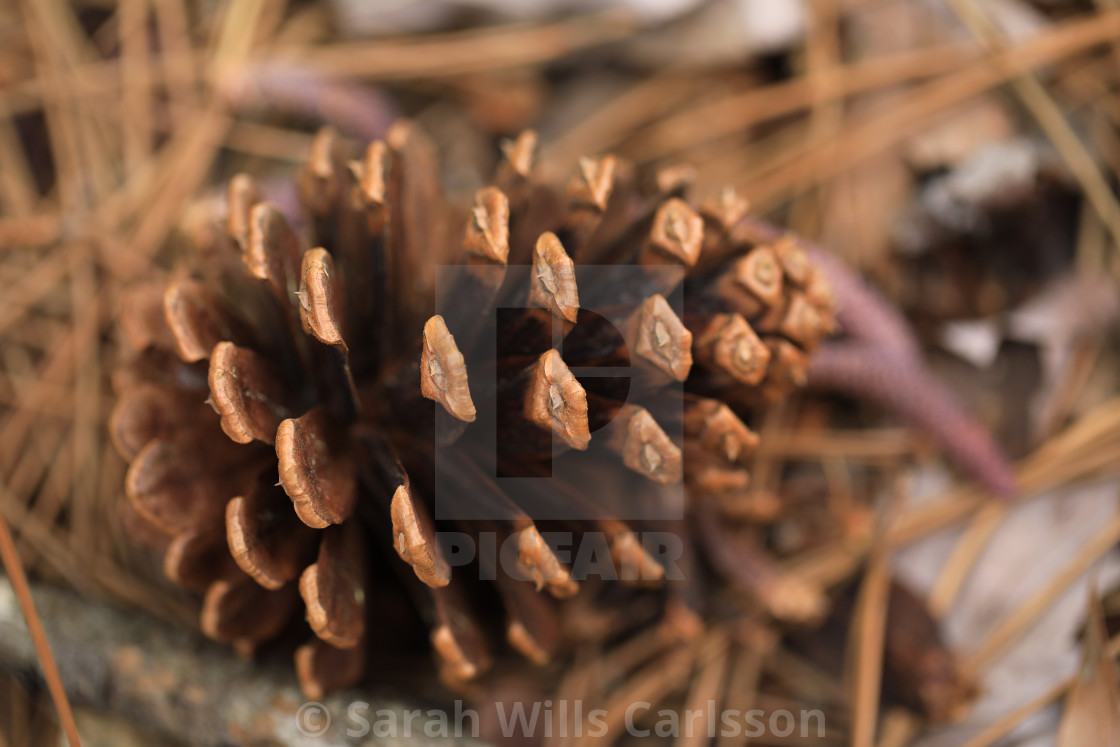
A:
1092	708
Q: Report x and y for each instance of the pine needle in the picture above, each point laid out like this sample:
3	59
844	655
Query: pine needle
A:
14	567
868	629
1029	611
964	556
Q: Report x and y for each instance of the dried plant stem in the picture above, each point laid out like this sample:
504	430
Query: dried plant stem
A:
29	231
1091	239
650	684
280	144
136	120
14	567
620	116
900	728
16	182
45	447
701	124
871	445
1075	374
57	555
878	130
173	28
56	369
62	131
707	684
964	556
866	645
236	34
56	404
189	158
1028	612
766	473
798	673
87	426
636	653
822	53
46	276
830	565
461	52
742	684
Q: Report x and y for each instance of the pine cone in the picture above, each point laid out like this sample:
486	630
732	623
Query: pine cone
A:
315	470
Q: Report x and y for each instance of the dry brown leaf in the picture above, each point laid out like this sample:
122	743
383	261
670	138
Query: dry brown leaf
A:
1092	708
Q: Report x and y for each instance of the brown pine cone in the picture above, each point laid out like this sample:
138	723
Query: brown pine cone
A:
320	472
